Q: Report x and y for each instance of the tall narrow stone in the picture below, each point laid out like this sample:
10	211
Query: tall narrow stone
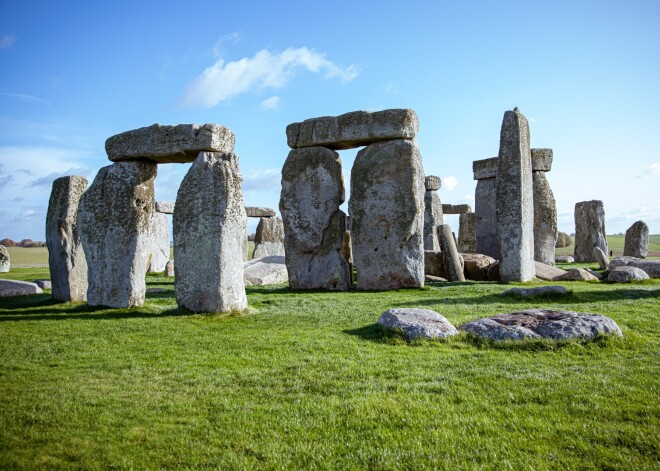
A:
209	225
485	172
269	238
637	240
387	216
160	242
467	233
514	200
545	208
450	255
314	226
114	219
5	263
589	230
432	213
66	257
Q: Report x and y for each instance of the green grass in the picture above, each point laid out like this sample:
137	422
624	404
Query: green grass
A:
615	243
308	380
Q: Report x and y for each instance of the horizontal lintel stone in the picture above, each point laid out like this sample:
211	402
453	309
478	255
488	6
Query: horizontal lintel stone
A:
541	160
485	168
256	212
164	207
456	208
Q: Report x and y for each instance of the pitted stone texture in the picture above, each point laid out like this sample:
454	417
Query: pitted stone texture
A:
387	216
475	266
18	288
5	261
433	183
601	258
543	323
537	291
577	274
432	219
564	259
545	219
548	272
486	218
164	207
66	257
209	227
467	233
169	144
114	219
314	226
269	238
541	160
434	264
452	259
485	168
514	200
637	240
563	240
627	274
417	323
169	268
160	243
456	208
269	270
651	267
589	230
257	212
355	129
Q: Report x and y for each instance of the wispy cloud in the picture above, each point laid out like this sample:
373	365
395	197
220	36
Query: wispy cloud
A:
7	41
262	179
449	183
47	180
270	103
23	97
6	178
266	70
652	171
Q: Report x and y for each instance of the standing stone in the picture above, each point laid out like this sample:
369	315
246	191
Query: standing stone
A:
450	255
563	240
589	230
467	233
637	240
314	226
269	238
387	216
432	213
209	227
160	242
545	208
601	258
347	251
114	220
169	268
514	200
5	263
485	172
66	256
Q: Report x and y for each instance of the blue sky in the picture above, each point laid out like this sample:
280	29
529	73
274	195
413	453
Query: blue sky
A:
585	73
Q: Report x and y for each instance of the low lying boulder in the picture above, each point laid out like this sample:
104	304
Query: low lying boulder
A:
564	259
269	270
651	267
18	288
434	264
417	323
577	274
548	272
43	284
563	240
475	266
627	274
537	291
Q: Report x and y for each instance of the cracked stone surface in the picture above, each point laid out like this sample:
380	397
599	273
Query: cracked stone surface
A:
417	323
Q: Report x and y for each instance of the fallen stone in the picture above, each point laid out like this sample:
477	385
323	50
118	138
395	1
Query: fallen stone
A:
545	218
475	266
43	284
269	238
589	230
355	129
467	233
432	183
547	272
5	262
541	160
651	267
164	207
601	258
577	274
160	243
564	259
595	273
537	291
449	253
456	208
417	323
563	240
434	279
542	323
637	240
627	274
257	212
485	168
169	268
17	288
269	270
169	144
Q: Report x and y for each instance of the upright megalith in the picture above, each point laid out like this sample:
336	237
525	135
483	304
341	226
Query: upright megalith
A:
467	233
485	172
5	262
432	213
387	216
589	230
114	221
450	256
209	226
66	256
514	200
545	208
269	238
637	240
314	226
160	242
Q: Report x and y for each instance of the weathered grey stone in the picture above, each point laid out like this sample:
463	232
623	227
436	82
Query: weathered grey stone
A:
355	129
467	233
563	240
450	255
434	279
545	219
269	238
601	258
577	274
564	259
494	271
387	216
543	323
160	242
485	168
637	240
169	268
514	200
433	183
17	288
269	270
456	208
258	212
432	219
66	257
209	228
537	291
589	230
43	284
541	160
114	219
434	264
5	261
651	267
347	249
547	272
164	207
166	144
475	266
627	274
314	226
595	273
417	323
486	217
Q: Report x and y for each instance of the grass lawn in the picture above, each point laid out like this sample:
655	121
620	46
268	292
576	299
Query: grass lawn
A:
615	243
308	380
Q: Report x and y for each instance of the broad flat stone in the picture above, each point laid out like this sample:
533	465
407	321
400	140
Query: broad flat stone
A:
432	219
651	267
467	233
537	291
114	219
257	212
589	230
486	218
564	259
637	240
475	266
209	228
160	242
456	208
627	274
452	259
601	258
5	261
545	219
563	240
17	288
355	129
164	207
433	183
417	323
269	238
485	168
169	144
269	270
541	160
577	274
548	272
387	216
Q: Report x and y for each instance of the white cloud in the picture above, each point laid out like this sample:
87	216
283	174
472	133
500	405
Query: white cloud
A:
47	180
7	41
262	179
652	171
449	183
270	103
266	70
23	97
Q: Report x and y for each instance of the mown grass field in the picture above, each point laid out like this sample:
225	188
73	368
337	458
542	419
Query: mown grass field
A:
308	381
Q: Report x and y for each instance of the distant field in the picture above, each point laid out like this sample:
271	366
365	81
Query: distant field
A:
615	243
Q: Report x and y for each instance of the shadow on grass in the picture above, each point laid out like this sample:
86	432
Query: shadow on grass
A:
84	311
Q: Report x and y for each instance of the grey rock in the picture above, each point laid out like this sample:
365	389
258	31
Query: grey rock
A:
486	218
537	291
637	240
5	261
541	160
475	266
547	272
417	323
17	288
169	144
651	267
577	274
114	219
355	129
545	219
209	228
563	240
514	200
543	323
432	183
314	226
485	168
269	238
434	279
589	230
347	249
595	273
456	208
601	258
43	284
451	257
432	219
387	216
169	268
164	207
467	233
160	243
434	264
494	271
627	274
258	212
269	270
564	259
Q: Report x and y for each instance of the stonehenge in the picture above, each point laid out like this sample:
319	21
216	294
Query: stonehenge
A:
545	208
432	212
160	241
451	258
5	262
589	230
467	233
636	243
485	172
269	238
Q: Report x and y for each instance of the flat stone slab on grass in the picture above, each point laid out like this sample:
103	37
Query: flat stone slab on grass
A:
651	267
257	212
564	259
18	288
537	291
548	272
627	274
170	144
577	274
43	284
417	323
542	323
269	270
